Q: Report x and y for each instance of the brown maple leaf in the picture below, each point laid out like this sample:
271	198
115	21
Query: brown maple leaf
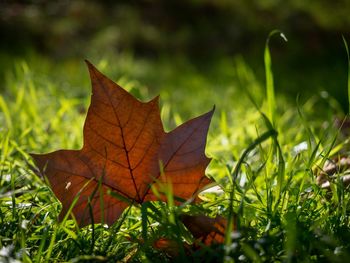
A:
124	146
205	229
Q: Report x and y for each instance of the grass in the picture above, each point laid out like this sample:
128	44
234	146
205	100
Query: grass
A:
265	151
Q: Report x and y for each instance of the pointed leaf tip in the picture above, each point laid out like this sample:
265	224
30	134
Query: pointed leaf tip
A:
87	62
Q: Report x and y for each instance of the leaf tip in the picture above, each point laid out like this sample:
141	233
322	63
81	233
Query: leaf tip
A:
90	66
88	62
210	113
155	99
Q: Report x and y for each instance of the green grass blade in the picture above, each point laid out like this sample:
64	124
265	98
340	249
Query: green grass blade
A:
281	162
5	110
144	221
51	244
348	57
270	89
39	254
311	137
4	146
120	197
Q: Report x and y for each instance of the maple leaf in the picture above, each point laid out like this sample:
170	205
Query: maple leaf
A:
205	229
125	151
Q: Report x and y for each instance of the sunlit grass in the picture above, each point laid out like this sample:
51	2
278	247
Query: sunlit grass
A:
264	156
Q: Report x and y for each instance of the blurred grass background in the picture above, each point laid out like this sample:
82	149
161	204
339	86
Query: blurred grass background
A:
205	37
194	54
